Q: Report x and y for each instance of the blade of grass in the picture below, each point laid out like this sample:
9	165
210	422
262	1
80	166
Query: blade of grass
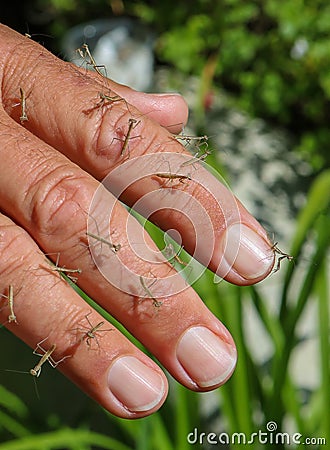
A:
128	427
152	434
270	322
322	227
154	428
143	441
12	403
160	438
13	426
240	379
324	327
281	360
293	404
318	200
186	416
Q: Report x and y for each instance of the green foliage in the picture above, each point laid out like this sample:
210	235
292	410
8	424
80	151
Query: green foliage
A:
274	60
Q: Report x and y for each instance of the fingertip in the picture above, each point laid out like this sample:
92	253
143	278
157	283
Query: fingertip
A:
173	105
247	256
169	109
135	387
208	359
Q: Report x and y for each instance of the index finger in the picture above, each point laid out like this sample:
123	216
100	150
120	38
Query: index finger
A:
100	130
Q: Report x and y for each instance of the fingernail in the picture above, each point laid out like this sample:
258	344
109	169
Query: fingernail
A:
247	252
135	385
166	94
207	359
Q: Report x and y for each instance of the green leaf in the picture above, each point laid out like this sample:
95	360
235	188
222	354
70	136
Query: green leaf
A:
12	425
12	403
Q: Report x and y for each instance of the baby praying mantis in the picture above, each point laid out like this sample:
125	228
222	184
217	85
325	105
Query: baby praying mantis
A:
114	247
155	302
23	117
90	333
132	123
36	371
197	140
170	254
169	176
87	56
45	355
10	299
281	256
106	100
199	156
109	100
173	176
63	270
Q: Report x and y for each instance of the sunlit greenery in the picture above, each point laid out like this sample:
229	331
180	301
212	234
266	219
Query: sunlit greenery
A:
274	60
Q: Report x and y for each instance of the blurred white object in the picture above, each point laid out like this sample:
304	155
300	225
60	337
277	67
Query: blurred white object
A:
123	46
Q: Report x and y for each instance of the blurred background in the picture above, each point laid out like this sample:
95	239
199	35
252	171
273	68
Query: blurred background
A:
256	77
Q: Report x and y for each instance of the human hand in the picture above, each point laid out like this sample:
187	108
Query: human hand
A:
54	155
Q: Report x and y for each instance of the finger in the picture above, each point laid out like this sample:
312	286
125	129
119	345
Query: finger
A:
51	201
96	140
105	364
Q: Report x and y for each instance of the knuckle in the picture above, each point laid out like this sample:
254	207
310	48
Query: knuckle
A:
116	134
103	133
56	202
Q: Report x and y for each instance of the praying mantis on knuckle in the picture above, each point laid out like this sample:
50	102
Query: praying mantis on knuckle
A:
132	123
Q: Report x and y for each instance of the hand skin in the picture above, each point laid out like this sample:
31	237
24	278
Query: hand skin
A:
51	166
